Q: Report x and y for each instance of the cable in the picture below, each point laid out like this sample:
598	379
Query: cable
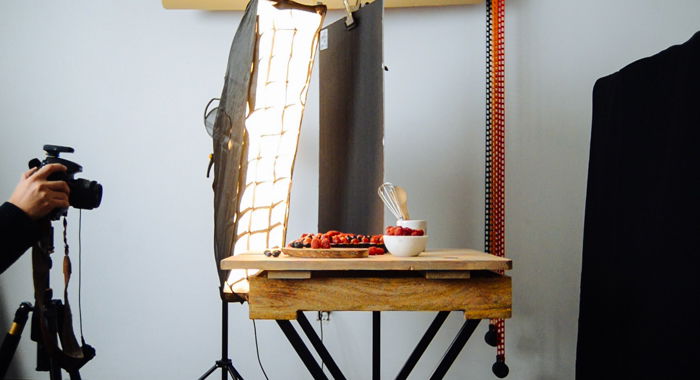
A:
80	272
257	351
320	322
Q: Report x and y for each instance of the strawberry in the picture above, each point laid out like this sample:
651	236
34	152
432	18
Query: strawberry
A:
315	243
325	243
375	251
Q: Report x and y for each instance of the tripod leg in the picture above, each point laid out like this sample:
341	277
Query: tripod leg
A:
55	373
9	344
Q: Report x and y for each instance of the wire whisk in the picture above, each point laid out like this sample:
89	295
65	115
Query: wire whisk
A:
389	195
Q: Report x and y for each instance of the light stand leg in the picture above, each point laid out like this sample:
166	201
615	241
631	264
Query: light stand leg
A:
209	371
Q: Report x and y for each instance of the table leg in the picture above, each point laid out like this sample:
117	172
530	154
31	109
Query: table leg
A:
376	345
302	351
455	348
422	345
319	346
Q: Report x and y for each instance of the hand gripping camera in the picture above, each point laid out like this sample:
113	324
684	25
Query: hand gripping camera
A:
84	194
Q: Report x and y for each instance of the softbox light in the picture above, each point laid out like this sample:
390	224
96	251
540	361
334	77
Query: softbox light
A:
257	125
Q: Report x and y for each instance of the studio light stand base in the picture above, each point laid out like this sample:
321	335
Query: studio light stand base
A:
225	363
226	366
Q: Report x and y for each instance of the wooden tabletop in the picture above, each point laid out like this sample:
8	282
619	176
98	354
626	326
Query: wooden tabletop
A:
443	259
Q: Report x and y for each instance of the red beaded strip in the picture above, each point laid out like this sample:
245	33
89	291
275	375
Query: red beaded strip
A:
495	143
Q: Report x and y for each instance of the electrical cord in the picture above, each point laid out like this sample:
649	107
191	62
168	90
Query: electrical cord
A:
320	322
80	272
257	351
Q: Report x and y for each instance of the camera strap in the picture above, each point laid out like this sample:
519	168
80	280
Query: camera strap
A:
55	319
68	339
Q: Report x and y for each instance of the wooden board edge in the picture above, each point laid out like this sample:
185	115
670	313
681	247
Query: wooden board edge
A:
447	274
489	314
290	265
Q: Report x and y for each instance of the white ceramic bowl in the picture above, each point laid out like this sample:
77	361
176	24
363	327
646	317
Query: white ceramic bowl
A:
405	246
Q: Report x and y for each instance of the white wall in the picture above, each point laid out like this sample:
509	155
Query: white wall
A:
125	83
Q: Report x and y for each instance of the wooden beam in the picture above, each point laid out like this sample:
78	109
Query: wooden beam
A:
288	274
447	274
239	5
479	297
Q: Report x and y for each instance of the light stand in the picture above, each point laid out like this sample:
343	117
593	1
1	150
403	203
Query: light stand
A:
224	363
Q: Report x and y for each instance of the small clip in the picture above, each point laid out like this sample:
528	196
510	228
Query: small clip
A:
349	20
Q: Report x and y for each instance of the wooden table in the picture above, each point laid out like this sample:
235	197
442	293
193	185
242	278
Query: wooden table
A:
441	280
455	279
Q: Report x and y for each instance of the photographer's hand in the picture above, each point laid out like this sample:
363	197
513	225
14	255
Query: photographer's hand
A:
37	196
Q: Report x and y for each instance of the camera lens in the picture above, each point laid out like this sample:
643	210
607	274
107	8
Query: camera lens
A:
85	194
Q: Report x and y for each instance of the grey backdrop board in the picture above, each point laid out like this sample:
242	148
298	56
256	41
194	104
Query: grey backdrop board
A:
351	152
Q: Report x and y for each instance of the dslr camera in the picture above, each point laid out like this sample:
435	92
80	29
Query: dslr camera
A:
84	193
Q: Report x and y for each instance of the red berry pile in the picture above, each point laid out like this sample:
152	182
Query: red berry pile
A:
402	231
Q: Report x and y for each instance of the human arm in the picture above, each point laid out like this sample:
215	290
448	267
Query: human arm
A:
34	197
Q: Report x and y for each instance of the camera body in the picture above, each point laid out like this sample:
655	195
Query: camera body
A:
84	194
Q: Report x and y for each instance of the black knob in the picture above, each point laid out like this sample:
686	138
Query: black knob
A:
34	163
500	369
491	337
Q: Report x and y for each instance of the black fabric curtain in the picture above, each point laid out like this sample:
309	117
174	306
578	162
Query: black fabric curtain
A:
639	283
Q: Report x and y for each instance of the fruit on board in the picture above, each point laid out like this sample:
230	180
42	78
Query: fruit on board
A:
337	239
376	251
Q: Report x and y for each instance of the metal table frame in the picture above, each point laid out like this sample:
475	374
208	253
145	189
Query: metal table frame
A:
315	370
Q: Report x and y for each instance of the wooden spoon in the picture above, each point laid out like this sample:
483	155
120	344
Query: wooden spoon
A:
403	202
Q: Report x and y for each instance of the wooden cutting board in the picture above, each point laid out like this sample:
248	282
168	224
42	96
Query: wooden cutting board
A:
327	253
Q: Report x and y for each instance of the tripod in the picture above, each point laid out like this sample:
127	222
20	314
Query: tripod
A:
51	319
225	363
54	314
